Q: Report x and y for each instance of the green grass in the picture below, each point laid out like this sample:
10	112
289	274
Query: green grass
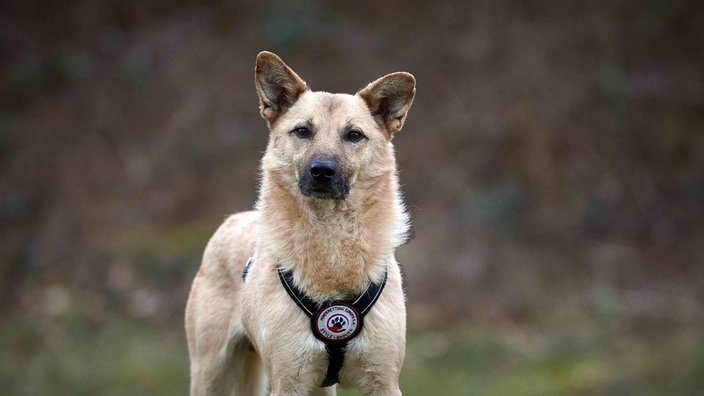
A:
125	358
592	358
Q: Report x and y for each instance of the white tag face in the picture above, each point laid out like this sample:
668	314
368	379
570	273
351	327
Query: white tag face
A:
338	322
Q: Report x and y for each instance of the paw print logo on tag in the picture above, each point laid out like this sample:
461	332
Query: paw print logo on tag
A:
339	322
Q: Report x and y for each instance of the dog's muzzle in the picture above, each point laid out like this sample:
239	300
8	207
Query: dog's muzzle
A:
323	179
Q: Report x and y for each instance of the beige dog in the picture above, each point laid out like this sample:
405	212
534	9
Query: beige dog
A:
325	228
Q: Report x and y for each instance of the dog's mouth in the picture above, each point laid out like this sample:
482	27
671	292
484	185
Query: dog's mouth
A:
322	193
323	179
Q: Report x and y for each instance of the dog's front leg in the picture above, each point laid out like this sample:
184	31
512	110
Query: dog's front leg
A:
316	391
392	390
303	383
383	384
329	391
296	368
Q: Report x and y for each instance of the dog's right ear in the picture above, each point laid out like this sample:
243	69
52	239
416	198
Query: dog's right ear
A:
389	99
278	86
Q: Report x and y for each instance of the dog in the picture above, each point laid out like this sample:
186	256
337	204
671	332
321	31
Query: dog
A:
324	230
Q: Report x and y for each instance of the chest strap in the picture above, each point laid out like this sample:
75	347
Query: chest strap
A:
334	322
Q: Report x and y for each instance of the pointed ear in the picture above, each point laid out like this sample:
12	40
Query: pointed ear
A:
278	86
389	99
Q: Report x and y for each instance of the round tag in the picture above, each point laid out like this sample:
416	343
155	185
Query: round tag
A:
339	322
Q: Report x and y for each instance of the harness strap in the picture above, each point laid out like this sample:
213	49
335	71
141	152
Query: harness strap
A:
336	355
334	322
304	302
247	266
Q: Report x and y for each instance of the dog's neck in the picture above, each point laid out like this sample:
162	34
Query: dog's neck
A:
334	248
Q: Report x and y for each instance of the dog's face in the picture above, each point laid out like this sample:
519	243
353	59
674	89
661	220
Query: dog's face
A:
326	144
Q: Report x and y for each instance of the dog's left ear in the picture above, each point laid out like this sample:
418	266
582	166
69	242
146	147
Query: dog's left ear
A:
278	86
389	99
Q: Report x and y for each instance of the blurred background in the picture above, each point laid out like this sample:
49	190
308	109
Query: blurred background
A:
553	163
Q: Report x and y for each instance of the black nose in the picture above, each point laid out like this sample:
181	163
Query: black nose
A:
323	170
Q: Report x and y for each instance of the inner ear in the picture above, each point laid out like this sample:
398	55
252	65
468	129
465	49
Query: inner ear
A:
389	99
277	85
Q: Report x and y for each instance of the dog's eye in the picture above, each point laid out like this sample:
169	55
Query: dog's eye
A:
302	132
354	136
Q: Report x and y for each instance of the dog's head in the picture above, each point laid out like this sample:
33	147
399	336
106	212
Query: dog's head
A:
322	143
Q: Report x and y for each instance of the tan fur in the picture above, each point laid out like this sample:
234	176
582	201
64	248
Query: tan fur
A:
334	247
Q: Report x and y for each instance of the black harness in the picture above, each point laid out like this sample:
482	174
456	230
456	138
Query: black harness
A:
333	322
